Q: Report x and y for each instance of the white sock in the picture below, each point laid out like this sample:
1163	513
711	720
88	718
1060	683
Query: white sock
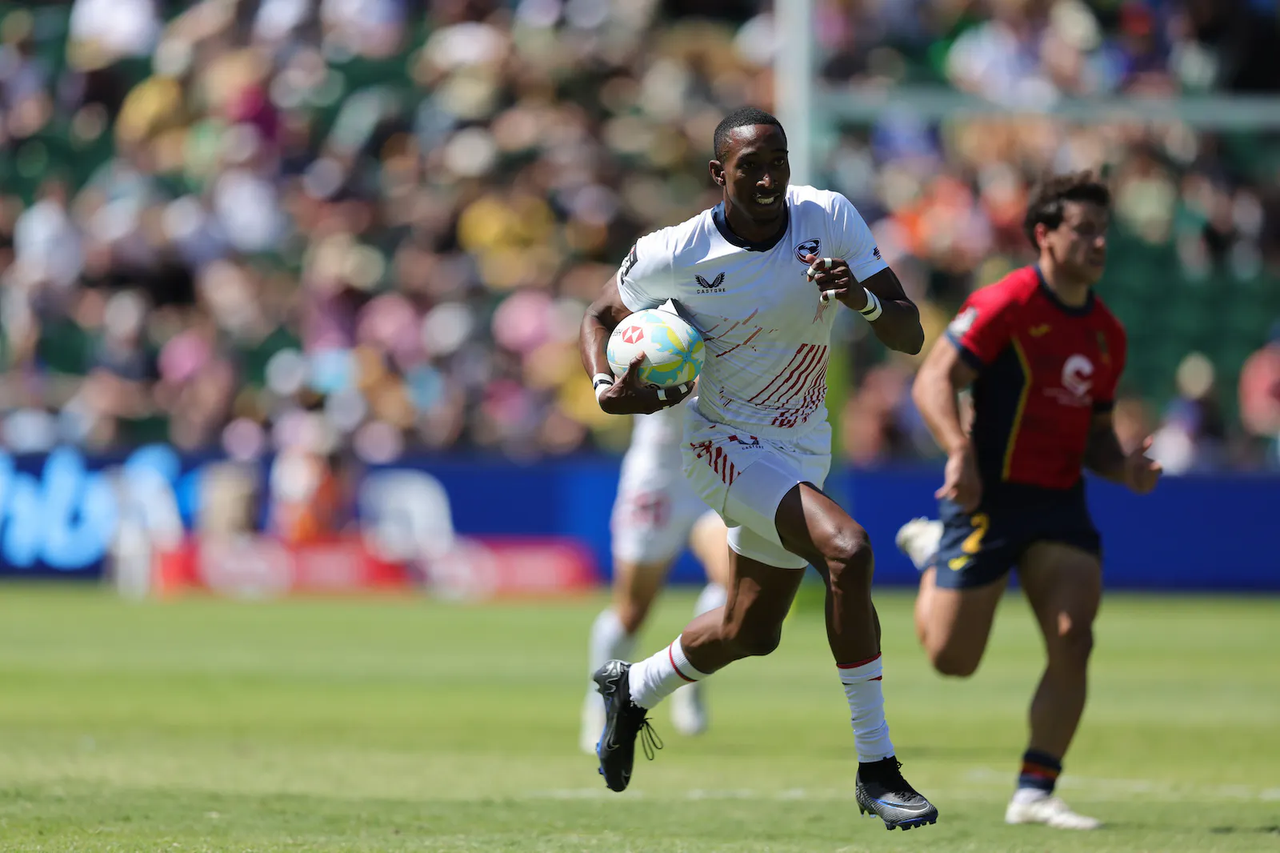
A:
713	595
1024	796
866	709
609	641
657	677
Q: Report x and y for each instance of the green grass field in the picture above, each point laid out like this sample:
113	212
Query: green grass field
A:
406	725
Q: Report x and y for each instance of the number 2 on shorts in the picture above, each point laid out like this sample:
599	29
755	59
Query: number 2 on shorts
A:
973	543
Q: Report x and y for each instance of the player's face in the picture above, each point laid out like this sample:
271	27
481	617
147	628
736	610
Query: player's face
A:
757	171
1079	243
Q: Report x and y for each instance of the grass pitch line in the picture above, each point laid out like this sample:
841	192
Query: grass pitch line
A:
1163	790
986	777
740	794
790	794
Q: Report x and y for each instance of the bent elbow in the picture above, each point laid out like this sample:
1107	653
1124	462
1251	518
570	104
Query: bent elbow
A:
911	341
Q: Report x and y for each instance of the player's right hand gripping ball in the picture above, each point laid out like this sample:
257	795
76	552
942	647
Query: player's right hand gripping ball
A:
673	349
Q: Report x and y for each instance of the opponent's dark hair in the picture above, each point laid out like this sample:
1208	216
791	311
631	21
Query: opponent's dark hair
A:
1049	197
741	117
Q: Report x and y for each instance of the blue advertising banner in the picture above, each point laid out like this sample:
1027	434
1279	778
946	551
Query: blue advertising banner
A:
1192	533
60	513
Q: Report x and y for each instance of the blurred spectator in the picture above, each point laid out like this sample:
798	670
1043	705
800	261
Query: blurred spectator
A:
46	244
1260	395
1193	435
104	31
310	495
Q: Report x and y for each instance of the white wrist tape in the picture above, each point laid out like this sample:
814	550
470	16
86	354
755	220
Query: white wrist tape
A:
601	382
873	309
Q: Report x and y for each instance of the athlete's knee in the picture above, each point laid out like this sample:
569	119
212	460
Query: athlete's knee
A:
754	640
1073	643
850	561
632	613
955	663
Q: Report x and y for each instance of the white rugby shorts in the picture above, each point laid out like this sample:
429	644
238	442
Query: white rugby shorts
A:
656	508
745	478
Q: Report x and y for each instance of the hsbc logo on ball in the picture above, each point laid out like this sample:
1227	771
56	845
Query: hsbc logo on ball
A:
633	335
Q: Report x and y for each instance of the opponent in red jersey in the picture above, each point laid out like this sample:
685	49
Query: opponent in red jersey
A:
1043	356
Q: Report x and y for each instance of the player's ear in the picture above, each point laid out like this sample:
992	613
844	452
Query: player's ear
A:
717	172
1041	232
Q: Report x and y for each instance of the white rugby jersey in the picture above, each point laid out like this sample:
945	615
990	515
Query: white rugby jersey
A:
664	427
767	334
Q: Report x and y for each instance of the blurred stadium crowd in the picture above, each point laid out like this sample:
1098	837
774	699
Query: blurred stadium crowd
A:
246	224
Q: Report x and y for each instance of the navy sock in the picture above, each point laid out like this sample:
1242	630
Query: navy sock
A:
1039	770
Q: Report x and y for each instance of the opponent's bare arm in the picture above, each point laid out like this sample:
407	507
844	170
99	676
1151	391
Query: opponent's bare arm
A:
626	396
898	326
937	386
1105	457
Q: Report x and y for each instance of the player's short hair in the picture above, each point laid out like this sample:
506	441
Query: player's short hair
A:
1048	198
741	117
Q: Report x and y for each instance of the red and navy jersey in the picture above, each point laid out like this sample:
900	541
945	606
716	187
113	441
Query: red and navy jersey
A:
1044	369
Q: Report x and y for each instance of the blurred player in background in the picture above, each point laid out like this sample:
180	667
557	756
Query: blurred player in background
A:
1043	356
310	489
759	275
656	513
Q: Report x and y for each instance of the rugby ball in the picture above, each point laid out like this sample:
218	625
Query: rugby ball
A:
673	350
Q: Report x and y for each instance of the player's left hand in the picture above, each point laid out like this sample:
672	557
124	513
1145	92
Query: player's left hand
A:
628	396
1141	472
832	275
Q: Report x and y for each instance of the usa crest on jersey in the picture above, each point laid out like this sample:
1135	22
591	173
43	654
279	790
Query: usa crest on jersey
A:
808	247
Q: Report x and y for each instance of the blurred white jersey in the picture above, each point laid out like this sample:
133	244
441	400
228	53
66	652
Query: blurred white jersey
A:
659	432
656	507
766	331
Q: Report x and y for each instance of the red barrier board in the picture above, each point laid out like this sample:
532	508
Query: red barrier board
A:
263	567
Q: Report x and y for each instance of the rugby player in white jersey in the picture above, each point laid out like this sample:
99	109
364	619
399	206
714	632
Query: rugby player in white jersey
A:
655	514
753	275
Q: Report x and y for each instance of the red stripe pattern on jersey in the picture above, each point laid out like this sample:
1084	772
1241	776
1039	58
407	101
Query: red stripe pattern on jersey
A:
816	392
793	376
796	357
805	376
817	358
717	460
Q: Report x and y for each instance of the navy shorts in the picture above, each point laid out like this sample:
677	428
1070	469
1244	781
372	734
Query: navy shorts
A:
980	548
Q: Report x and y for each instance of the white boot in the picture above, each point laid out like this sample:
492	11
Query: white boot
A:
592	722
1027	807
919	539
688	712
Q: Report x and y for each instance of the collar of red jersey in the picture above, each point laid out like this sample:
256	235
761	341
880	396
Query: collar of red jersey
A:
1076	310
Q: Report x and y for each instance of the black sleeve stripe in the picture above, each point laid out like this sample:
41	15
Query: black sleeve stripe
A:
970	357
